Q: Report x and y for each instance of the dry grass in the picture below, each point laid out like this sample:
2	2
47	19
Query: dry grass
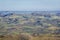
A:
29	37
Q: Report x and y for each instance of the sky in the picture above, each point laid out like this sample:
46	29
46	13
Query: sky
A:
29	5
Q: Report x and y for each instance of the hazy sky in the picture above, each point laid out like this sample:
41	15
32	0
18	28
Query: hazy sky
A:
29	5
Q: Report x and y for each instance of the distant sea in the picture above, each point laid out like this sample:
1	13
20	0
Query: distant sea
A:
27	12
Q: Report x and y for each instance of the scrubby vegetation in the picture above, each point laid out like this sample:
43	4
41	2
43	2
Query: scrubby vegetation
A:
39	25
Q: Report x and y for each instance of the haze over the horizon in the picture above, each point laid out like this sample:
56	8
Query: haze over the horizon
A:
29	5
